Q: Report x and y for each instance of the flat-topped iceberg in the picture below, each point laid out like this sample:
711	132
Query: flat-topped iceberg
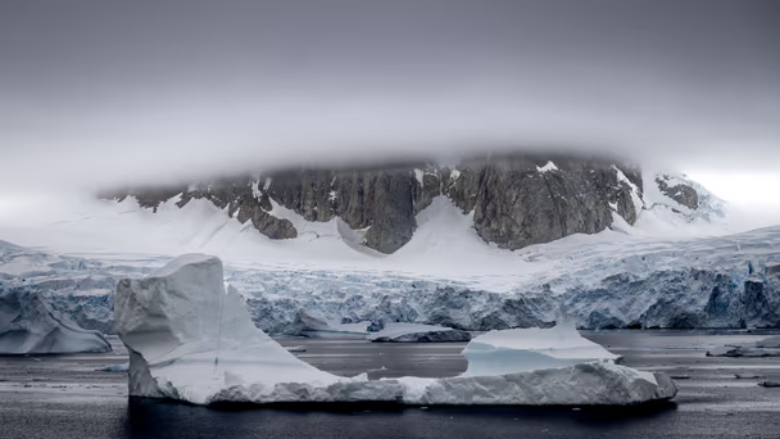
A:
417	333
190	339
28	325
521	350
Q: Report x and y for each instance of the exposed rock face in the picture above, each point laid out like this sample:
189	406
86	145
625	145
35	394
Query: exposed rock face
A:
681	193
378	199
523	201
516	200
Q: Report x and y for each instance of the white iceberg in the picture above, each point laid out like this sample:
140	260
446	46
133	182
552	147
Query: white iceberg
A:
188	338
29	326
522	350
418	333
191	340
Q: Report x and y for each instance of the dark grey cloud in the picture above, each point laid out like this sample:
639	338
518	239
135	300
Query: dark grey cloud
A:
96	92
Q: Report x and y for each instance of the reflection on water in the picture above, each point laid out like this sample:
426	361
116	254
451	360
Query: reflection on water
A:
148	418
712	402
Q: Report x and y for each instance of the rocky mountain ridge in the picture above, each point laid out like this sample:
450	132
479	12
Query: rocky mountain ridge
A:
515	200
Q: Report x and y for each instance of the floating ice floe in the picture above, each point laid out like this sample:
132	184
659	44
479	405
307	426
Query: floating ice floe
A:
522	350
417	333
191	340
768	347
29	326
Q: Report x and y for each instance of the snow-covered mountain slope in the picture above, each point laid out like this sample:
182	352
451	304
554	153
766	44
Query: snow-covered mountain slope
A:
677	206
516	200
445	239
701	275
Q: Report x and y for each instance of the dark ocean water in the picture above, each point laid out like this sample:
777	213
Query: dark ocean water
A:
65	397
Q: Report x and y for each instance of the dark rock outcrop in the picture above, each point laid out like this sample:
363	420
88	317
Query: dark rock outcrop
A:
517	201
681	193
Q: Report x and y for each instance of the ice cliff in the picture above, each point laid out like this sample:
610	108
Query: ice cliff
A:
28	325
720	282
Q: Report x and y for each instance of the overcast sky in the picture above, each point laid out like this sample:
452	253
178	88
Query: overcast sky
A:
104	92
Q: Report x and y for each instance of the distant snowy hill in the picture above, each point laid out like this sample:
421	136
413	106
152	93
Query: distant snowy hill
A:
675	205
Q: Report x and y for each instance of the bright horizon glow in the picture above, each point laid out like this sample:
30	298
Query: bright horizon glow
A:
752	195
744	188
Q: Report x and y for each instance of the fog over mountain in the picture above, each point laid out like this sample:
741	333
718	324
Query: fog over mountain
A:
103	93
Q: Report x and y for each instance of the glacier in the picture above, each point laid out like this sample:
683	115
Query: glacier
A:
675	268
717	282
192	340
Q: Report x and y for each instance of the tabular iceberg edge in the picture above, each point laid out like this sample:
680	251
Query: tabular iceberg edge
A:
191	340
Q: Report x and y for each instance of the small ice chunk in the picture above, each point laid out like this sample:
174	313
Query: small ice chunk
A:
768	347
317	326
417	333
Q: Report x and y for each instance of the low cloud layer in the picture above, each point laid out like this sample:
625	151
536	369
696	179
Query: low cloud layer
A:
105	93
